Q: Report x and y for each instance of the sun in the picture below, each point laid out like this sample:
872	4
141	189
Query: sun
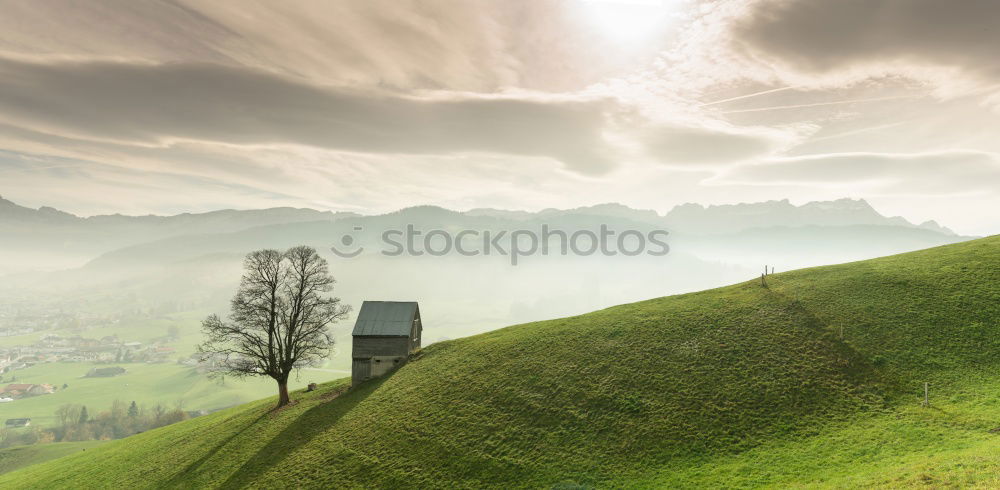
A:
629	21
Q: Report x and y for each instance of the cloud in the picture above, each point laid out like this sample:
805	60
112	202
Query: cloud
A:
198	178
157	103
938	173
484	45
695	145
845	39
90	187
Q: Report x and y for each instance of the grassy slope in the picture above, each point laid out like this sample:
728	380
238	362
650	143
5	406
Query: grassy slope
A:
951	444
146	384
743	386
20	456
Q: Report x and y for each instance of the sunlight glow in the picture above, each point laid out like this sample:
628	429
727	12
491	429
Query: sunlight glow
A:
629	21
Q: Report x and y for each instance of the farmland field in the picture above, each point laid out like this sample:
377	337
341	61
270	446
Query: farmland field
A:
169	384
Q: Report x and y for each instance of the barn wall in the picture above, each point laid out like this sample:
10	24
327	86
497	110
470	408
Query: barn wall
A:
384	364
361	370
416	332
416	335
381	346
376	356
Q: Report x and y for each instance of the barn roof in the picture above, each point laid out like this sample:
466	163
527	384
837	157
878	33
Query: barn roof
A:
18	387
386	318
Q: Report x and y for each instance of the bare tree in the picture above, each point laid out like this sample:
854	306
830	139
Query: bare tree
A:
279	319
69	415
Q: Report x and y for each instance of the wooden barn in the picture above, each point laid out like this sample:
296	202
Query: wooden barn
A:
384	336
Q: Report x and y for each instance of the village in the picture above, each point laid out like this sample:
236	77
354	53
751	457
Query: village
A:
25	318
55	348
41	342
108	349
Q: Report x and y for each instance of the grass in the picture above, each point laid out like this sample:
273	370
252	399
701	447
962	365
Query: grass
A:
950	444
742	386
143	329
169	384
21	456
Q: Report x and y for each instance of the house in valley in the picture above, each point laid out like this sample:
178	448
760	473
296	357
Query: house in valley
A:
22	390
17	422
384	336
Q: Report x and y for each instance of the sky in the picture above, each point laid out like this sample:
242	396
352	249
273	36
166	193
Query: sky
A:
137	107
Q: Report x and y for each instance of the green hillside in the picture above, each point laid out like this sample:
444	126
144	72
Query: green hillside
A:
147	384
20	456
812	380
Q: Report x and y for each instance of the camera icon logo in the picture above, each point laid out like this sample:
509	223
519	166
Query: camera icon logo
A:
347	241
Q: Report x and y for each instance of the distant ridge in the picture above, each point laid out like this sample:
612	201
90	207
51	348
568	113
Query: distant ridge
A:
688	217
697	218
732	218
10	211
51	239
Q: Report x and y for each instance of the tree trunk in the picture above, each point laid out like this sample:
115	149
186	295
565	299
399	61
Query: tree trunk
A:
283	393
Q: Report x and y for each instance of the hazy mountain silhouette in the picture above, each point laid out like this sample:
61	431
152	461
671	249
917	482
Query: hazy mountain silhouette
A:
191	262
731	218
47	238
50	239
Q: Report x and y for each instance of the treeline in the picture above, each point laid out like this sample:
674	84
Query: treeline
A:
76	423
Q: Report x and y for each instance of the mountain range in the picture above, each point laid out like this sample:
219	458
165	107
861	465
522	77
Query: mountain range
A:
48	239
108	263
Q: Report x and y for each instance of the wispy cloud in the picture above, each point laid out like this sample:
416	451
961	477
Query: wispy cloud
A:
968	172
159	103
947	43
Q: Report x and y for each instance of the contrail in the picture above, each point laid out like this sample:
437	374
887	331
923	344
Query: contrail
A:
817	104
860	131
747	96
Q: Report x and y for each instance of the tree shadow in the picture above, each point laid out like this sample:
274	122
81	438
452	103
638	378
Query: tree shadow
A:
180	479
307	426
